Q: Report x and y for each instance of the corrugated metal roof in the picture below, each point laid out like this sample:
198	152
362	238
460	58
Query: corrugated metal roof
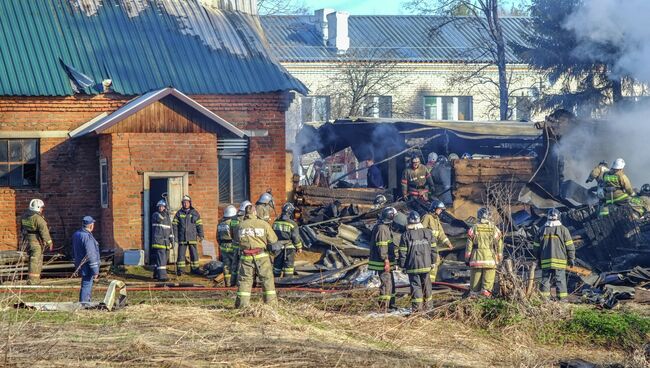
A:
408	38
142	45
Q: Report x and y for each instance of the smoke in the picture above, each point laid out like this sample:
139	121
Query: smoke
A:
615	33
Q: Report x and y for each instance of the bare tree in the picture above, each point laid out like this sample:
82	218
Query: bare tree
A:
360	78
489	52
277	7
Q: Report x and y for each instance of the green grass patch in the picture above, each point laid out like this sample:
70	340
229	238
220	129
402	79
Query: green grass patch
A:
624	328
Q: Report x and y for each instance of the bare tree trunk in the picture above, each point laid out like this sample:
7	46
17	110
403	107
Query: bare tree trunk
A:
497	36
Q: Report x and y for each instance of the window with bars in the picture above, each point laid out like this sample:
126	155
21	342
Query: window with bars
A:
233	170
19	159
315	108
448	107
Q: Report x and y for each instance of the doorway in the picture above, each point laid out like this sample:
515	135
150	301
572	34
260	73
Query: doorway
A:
170	186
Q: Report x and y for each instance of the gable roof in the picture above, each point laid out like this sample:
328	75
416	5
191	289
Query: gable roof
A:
141	45
407	38
104	122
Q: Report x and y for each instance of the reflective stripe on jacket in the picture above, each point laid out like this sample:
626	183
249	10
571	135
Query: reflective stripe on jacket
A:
34	228
415	249
432	222
254	233
416	181
225	234
187	226
287	232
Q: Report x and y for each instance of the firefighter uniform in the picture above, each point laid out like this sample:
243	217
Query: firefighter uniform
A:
35	236
264	211
597	174
382	248
254	236
417	182
431	221
229	249
553	248
161	240
483	251
288	234
416	250
617	188
188	228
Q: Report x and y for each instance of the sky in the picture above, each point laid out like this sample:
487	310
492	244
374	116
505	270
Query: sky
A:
359	7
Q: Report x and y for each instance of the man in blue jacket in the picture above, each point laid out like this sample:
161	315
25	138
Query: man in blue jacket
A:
86	257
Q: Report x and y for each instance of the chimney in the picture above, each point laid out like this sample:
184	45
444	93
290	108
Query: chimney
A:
321	22
338	31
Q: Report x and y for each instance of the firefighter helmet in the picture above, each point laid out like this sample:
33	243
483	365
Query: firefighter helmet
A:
553	214
288	209
186	198
645	188
414	217
618	164
161	203
36	204
437	204
483	213
415	159
265	198
453	156
230	211
388	214
243	205
380	199
433	157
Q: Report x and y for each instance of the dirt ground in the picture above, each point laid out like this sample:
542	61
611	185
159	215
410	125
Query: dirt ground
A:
177	329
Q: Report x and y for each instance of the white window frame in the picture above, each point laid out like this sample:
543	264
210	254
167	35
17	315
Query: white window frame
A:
515	112
439	107
375	107
311	100
103	181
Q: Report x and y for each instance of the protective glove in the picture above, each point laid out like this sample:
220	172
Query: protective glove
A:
572	263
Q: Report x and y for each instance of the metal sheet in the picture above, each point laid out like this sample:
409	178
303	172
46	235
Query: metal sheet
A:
142	45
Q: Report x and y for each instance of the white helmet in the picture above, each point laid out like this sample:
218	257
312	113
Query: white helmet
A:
618	164
36	205
230	211
161	203
433	157
243	205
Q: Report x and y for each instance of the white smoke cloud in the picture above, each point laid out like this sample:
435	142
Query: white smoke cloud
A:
624	132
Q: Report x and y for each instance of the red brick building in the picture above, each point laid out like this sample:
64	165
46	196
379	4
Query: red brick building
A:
105	121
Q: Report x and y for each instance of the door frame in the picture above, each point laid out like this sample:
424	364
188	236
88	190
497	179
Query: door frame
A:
147	213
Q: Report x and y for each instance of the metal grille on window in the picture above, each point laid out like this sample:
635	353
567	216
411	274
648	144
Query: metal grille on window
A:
19	162
233	170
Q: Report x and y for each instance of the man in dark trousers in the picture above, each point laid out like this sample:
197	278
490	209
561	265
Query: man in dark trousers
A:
415	258
374	178
228	248
86	257
382	257
188	232
555	251
287	231
162	239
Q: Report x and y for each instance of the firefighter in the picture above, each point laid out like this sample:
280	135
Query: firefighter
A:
162	239
35	236
617	187
416	251
254	236
188	232
86	257
382	257
286	229
597	173
483	253
228	249
242	209
431	221
264	206
431	161
555	250
321	179
416	181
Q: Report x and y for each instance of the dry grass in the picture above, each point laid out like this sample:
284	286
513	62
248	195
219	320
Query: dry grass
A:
318	331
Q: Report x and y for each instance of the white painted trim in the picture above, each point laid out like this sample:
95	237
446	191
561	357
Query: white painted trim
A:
146	187
103	161
24	134
90	122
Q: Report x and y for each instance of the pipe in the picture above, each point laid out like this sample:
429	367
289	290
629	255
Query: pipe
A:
450	285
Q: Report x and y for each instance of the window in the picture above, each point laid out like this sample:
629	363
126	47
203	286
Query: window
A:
315	108
233	170
378	107
522	108
19	162
103	182
448	107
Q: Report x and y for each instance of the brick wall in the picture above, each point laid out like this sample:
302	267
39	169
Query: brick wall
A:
70	169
